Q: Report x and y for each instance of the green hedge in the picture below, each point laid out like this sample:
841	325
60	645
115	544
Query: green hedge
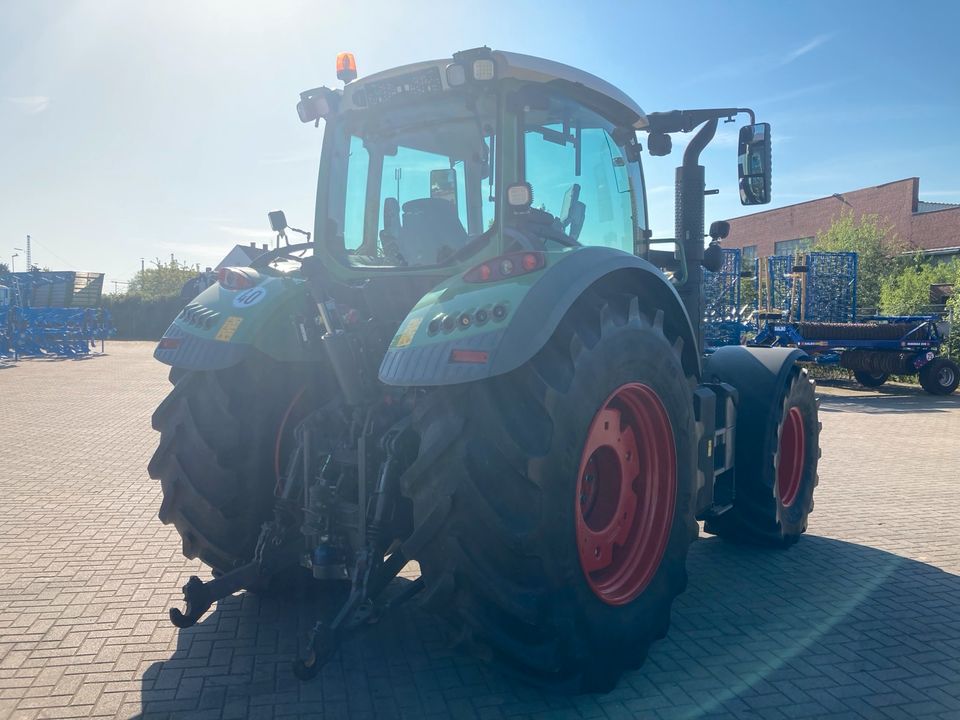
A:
139	319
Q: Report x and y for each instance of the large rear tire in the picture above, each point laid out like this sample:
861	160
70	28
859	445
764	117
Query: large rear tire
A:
776	466
216	461
565	580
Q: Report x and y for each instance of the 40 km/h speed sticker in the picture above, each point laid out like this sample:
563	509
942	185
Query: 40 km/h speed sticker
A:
249	297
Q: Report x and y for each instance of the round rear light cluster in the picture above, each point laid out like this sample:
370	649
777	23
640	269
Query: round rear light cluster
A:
465	320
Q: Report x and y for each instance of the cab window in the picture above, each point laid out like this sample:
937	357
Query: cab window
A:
579	174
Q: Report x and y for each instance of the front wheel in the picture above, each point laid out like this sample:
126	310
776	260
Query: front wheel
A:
940	376
777	452
564	496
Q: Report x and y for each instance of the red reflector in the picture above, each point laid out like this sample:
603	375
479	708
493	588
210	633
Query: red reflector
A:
477	357
169	343
506	266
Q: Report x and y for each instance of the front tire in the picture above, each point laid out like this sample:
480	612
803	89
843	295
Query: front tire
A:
776	466
528	567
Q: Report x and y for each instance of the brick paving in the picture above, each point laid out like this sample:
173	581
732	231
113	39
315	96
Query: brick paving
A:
861	619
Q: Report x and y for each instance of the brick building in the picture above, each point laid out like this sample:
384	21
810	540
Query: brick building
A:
933	228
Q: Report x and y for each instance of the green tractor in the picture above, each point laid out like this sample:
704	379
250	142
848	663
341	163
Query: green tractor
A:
481	362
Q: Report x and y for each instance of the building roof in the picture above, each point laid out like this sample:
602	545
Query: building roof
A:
242	255
924	206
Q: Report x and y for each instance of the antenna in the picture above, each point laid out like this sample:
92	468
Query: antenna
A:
29	259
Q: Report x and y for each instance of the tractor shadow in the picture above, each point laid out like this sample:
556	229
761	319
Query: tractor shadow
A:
833	626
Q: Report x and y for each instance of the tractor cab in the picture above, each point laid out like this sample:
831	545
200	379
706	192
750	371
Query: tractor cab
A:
432	167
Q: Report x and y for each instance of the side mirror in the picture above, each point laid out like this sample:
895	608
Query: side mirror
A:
314	104
754	164
278	221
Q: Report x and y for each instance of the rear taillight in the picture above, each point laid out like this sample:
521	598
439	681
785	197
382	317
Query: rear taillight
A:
234	279
506	266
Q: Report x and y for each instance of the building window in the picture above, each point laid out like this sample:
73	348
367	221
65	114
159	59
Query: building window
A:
793	247
748	255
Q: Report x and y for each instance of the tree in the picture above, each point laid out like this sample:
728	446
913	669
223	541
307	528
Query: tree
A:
4	268
953	305
163	281
908	292
880	252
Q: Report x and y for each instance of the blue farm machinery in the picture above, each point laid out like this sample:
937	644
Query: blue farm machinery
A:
725	317
51	314
810	302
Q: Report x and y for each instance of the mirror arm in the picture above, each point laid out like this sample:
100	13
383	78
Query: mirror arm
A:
687	120
302	232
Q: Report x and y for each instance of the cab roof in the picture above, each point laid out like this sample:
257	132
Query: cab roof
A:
521	67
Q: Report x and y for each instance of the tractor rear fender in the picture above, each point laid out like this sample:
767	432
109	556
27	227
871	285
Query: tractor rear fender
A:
535	304
760	378
220	327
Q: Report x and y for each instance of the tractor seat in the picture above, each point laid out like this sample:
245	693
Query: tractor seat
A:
390	235
431	230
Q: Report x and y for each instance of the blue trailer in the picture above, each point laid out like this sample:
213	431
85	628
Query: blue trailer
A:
875	349
810	302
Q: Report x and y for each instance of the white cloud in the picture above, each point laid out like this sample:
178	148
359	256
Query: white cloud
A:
30	104
805	48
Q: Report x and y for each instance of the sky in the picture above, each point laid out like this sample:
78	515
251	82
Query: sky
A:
133	130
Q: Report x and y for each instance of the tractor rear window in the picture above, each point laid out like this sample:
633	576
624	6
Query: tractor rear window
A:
416	186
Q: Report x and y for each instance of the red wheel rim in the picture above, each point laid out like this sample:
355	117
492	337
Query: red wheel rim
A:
626	492
792	443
